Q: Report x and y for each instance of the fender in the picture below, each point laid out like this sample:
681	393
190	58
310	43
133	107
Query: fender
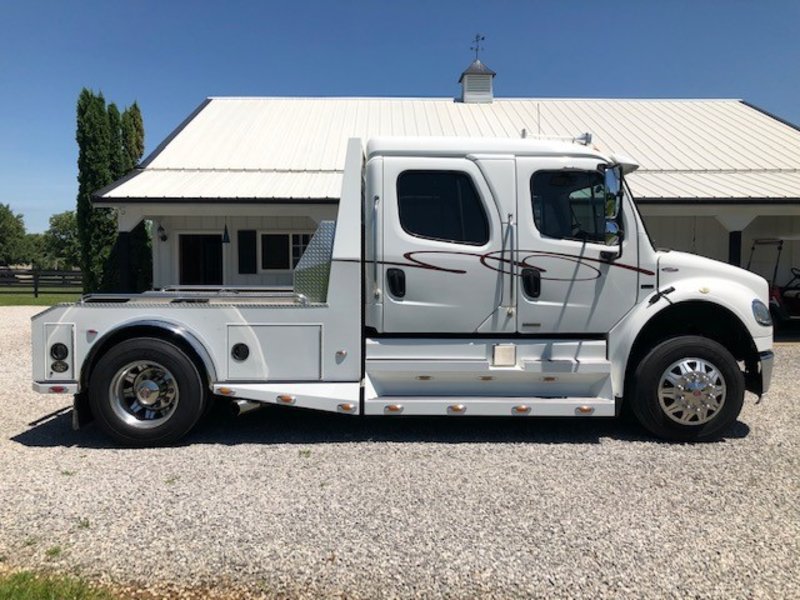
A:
173	330
734	297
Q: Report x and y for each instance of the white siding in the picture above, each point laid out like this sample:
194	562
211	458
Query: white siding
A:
698	235
165	254
705	236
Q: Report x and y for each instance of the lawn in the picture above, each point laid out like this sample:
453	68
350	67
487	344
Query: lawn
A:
26	585
24	297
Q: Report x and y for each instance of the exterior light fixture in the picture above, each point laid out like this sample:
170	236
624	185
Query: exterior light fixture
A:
162	233
226	238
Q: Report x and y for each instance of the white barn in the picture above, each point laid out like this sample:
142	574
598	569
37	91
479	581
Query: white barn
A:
262	172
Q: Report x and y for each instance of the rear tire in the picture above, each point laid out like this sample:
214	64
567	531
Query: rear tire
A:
688	388
146	392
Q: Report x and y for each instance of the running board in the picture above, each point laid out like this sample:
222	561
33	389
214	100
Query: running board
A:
490	407
332	397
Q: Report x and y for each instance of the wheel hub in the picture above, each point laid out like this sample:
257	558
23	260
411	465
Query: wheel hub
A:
147	392
691	391
144	394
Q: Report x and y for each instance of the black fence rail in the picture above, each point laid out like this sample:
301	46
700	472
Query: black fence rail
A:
35	281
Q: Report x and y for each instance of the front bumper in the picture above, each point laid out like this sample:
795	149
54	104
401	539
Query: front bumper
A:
766	360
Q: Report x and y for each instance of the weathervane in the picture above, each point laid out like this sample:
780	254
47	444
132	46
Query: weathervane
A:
477	44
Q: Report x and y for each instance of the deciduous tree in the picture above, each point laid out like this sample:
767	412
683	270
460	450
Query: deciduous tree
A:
12	237
61	241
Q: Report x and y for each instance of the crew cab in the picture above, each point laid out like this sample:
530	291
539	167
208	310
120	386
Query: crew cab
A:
462	277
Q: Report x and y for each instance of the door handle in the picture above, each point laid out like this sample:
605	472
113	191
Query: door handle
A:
531	282
396	280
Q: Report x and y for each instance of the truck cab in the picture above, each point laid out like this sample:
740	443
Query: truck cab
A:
462	277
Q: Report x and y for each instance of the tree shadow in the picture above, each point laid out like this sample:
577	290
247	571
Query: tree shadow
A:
281	425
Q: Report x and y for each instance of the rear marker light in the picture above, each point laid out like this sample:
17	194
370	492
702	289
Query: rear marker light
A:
57	389
59	351
60	366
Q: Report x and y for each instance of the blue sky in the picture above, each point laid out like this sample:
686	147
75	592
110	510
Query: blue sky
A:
169	55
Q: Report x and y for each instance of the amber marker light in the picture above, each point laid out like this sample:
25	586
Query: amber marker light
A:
584	410
347	407
457	408
286	399
522	409
226	391
394	408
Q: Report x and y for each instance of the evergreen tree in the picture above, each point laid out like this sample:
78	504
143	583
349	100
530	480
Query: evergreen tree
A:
96	227
133	135
141	244
118	159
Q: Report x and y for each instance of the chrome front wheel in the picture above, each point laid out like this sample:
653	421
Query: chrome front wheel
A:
687	388
691	391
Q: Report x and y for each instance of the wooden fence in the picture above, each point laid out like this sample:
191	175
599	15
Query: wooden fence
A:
35	281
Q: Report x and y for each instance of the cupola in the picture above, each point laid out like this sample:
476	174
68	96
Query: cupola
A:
476	83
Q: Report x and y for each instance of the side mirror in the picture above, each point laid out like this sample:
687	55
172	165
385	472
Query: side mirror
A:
613	185
613	195
613	233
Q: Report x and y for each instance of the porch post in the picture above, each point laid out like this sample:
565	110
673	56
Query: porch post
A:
735	248
735	224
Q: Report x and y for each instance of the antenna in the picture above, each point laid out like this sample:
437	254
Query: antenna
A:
476	44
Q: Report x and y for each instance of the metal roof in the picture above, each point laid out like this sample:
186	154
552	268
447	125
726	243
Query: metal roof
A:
476	68
294	148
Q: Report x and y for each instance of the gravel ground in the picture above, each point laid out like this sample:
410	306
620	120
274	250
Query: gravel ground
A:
296	504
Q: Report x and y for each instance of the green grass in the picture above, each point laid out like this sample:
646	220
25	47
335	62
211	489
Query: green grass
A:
25	298
30	586
53	552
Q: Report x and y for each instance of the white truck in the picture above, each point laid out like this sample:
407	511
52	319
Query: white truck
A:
461	277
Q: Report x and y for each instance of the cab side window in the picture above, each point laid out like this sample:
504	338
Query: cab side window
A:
442	206
569	205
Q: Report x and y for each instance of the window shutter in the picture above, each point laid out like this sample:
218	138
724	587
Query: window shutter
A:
247	252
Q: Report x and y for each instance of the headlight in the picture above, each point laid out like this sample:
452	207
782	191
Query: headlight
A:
761	313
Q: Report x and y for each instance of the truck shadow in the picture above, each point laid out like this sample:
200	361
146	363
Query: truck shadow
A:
279	425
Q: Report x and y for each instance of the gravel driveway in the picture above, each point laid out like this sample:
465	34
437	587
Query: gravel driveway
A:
295	504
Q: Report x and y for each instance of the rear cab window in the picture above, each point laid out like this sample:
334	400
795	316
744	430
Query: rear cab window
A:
442	205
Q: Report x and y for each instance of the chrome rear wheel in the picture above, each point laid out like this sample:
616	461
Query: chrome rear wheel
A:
143	394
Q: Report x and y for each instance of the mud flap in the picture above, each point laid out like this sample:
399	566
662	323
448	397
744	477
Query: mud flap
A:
81	413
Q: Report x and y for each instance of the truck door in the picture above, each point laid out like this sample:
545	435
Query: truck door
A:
570	281
439	222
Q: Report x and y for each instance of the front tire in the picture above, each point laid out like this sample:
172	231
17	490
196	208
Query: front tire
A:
146	392
688	388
